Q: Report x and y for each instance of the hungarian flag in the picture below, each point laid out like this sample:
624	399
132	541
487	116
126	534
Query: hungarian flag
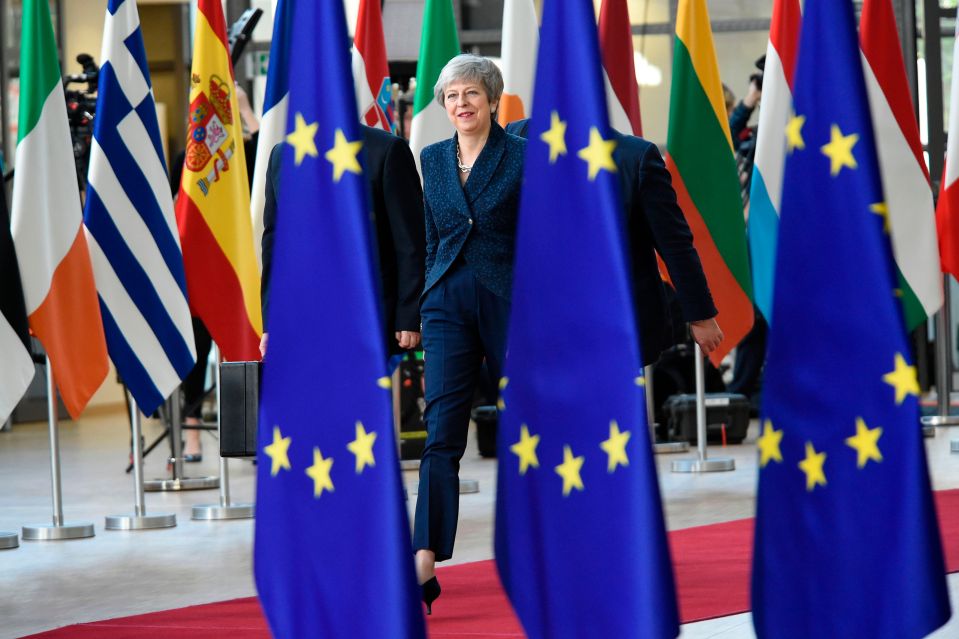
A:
622	90
908	208
520	43
947	209
58	286
438	44
17	370
701	161
371	74
766	186
212	210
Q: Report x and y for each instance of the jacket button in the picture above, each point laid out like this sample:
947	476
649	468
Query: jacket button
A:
470	220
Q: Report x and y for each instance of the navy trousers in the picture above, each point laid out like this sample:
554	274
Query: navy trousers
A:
463	322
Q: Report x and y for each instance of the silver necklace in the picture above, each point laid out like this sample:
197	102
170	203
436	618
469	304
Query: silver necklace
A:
464	168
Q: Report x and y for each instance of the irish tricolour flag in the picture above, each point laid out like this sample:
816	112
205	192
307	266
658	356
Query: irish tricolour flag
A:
765	193
438	44
703	168
58	286
908	208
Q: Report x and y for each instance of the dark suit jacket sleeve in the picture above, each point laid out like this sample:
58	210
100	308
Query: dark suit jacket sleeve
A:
403	197
269	226
672	238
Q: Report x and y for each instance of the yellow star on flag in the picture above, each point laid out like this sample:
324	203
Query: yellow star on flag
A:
569	471
362	447
640	380
794	133
903	379
839	150
343	156
525	449
599	154
812	465
769	445
555	137
319	472
303	139
385	383
615	447
880	209
500	404
278	452
865	442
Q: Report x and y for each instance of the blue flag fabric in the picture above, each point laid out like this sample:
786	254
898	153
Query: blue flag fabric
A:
847	543
580	538
333	555
134	244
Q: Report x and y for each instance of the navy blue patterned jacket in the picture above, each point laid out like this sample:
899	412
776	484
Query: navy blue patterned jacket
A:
476	220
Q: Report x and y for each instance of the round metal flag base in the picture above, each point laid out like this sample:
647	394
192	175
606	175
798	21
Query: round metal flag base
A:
666	448
50	532
140	522
940	420
928	431
9	540
186	483
954	446
468	486
703	465
216	512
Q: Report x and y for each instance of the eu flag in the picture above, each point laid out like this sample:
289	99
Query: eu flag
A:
847	543
333	556
580	539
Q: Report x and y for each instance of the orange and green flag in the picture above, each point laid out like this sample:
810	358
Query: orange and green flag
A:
703	167
213	206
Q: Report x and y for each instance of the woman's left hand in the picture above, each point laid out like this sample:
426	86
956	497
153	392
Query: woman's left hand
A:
408	339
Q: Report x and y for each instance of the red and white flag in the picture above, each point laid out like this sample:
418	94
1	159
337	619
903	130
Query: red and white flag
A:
947	211
622	90
371	74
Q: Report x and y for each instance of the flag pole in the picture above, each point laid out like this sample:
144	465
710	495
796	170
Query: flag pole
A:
177	481
57	530
701	464
225	509
139	520
659	448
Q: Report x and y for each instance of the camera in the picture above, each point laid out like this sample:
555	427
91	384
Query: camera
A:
758	77
81	108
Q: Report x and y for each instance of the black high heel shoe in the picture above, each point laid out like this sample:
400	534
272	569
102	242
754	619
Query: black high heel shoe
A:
431	590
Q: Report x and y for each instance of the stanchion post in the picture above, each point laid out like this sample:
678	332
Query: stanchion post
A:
58	530
178	482
225	509
139	520
701	464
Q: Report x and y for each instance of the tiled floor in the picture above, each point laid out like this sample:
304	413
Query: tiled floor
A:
49	584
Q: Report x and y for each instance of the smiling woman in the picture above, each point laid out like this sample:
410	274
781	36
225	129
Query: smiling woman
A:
471	188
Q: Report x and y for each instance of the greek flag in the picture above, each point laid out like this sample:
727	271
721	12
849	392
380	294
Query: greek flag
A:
130	227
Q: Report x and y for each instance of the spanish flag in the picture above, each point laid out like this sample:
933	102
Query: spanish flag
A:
701	161
213	205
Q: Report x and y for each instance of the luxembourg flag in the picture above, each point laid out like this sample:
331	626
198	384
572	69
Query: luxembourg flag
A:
273	122
765	193
371	74
908	207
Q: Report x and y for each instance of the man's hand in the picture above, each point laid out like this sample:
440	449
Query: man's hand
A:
408	339
263	345
707	334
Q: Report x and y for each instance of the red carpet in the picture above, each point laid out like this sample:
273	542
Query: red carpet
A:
712	574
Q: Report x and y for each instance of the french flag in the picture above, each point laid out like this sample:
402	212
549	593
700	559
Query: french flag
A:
765	193
273	122
371	74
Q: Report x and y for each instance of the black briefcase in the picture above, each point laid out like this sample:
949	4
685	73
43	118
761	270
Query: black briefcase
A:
239	408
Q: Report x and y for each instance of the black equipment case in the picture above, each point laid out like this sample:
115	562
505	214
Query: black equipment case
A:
724	411
239	408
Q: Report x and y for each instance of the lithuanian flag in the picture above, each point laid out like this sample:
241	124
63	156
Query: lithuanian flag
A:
701	160
213	206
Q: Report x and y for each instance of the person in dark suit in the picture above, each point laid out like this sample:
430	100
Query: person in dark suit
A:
471	184
397	202
655	222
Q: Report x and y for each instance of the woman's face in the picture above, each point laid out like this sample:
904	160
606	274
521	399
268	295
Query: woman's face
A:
467	107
